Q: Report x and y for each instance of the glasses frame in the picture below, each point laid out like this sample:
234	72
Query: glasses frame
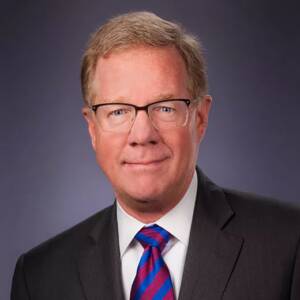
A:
144	107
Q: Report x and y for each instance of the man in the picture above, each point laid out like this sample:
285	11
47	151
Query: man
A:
171	233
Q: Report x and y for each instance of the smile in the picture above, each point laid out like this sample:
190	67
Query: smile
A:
147	164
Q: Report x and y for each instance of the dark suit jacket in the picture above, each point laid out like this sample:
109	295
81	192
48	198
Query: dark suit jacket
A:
241	247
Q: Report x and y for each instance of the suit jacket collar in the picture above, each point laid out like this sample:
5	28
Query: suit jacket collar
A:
99	264
212	251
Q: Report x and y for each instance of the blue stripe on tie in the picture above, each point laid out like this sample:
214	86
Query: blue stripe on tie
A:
146	255
163	290
148	240
165	234
149	278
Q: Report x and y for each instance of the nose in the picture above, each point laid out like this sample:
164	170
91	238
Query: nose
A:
142	131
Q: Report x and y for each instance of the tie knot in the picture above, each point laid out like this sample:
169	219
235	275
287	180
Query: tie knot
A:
153	236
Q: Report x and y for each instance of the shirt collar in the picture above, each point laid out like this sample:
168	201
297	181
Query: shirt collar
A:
177	221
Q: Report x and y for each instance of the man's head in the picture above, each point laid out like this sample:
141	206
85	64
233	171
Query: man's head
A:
148	154
143	28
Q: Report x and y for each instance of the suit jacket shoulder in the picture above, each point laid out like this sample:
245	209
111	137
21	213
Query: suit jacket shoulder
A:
264	216
80	263
242	246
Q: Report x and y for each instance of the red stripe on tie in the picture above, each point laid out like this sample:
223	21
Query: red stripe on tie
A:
169	295
145	269
156	283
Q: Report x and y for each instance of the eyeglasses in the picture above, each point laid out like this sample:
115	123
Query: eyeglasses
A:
164	114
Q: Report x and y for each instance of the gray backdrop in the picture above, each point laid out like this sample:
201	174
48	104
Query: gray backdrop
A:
49	178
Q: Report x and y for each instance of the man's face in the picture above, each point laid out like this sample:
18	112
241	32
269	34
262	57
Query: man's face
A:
149	169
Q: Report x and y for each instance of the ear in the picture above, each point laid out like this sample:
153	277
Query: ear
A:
202	112
87	114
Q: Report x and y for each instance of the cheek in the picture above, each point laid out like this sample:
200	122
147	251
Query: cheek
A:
183	146
108	150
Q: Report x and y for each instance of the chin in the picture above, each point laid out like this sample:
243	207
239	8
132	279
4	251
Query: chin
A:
146	195
145	192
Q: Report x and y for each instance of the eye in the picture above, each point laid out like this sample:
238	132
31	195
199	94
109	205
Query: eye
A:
120	112
165	109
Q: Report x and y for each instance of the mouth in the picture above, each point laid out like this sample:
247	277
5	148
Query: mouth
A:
145	164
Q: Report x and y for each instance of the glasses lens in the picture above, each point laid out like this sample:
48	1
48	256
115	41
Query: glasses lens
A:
168	114
115	117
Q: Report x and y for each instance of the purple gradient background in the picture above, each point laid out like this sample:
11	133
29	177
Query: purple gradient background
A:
49	177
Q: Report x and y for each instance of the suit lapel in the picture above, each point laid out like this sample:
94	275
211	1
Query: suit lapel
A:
99	265
212	252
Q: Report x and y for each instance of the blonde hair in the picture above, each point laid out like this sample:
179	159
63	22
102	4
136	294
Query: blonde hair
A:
143	28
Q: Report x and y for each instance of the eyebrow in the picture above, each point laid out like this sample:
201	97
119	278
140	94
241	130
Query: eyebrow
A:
164	97
125	100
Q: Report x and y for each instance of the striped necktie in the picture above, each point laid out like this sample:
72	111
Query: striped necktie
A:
152	280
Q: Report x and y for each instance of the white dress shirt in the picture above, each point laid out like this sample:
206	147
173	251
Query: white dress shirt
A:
177	222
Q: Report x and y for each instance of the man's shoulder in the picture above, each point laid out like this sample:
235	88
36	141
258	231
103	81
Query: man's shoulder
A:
249	209
263	213
71	241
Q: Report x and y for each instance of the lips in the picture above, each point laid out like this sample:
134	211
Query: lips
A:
148	162
145	162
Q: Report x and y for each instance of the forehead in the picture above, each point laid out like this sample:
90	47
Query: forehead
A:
141	72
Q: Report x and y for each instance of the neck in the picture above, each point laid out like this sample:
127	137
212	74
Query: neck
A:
143	214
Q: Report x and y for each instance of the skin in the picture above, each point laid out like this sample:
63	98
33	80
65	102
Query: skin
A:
149	170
